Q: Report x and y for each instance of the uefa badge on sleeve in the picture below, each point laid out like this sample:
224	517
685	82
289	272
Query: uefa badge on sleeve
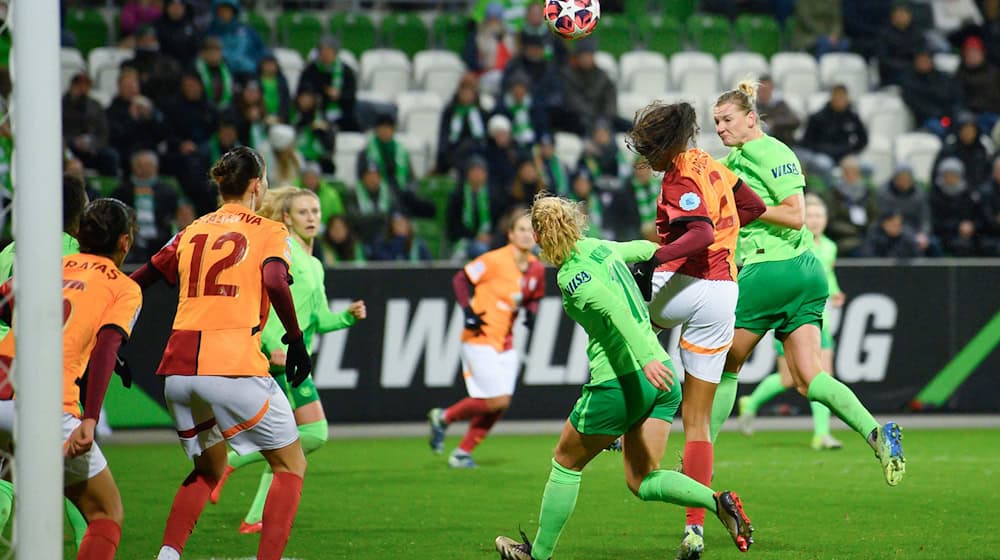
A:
689	201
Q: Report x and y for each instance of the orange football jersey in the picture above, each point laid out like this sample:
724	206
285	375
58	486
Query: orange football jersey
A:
501	290
216	263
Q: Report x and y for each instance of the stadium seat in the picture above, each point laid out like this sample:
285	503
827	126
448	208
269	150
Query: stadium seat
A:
299	30
711	143
918	149
735	66
795	72
71	63
615	35
947	62
259	23
606	61
569	147
643	72
355	30
816	101
348	58
710	34
664	35
878	156
419	149
680	10
884	114
103	97
349	145
406	32
694	72
386	71
438	71
487	102
450	32
104	63
89	27
759	34
419	112
629	102
291	64
849	69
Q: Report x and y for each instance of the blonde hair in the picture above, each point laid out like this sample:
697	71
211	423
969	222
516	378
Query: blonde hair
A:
559	223
278	202
813	199
744	96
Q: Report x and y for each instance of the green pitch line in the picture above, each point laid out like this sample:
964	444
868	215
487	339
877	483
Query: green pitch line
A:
949	379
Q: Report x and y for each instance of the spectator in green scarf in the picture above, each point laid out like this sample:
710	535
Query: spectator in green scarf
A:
470	212
388	154
336	83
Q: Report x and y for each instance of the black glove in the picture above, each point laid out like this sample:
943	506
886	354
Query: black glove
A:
123	370
474	322
529	319
298	366
642	272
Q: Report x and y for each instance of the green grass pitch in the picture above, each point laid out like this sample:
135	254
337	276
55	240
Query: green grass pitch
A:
392	499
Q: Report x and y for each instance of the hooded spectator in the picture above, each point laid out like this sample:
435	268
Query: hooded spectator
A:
969	146
902	196
954	208
889	237
176	32
463	126
241	46
853	208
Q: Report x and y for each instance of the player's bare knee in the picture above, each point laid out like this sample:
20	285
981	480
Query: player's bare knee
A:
499	404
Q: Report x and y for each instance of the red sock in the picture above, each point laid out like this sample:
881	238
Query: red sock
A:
279	512
188	504
478	428
100	542
465	408
698	459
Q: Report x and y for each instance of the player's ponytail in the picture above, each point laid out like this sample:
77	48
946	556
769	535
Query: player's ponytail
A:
559	224
660	131
103	222
744	96
235	169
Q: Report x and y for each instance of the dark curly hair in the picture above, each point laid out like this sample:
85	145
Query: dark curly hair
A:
662	130
103	222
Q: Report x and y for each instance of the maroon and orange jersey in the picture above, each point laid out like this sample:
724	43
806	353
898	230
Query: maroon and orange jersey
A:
96	294
501	290
217	262
700	188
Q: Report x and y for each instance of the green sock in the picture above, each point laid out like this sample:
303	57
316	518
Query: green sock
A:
768	388
313	435
77	522
6	502
722	406
238	461
676	488
843	402
558	502
256	512
821	418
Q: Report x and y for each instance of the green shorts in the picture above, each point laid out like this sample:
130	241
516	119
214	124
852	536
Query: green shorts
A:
825	341
613	407
781	295
298	396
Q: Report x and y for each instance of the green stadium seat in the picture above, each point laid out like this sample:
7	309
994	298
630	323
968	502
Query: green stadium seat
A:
680	10
89	28
105	184
356	31
664	35
637	8
450	32
259	23
300	31
406	32
786	33
711	34
760	34
614	35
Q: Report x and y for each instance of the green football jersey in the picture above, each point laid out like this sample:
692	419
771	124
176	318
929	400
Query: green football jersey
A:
69	246
311	306
599	293
774	173
826	252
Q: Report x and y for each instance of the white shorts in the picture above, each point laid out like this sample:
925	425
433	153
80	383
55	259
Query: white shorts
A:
83	467
251	413
488	373
706	311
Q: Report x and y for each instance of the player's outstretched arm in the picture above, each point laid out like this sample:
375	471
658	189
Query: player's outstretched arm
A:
634	251
326	320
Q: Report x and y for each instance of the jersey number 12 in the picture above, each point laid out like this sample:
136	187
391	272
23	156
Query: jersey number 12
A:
212	287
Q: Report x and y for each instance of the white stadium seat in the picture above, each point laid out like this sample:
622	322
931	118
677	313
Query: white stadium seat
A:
795	72
947	62
420	153
711	143
386	71
606	61
816	101
878	155
849	69
71	63
694	100
629	102
918	149
797	103
348	58
438	71
884	114
103	97
568	148
349	144
291	64
735	66
104	65
694	72
420	116
643	72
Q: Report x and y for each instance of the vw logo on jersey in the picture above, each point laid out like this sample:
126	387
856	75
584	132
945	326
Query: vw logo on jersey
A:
689	201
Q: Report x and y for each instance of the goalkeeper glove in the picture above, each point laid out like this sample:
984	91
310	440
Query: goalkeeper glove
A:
298	366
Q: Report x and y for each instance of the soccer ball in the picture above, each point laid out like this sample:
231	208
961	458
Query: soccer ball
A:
572	19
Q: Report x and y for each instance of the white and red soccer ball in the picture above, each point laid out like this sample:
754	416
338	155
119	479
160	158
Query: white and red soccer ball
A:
572	19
